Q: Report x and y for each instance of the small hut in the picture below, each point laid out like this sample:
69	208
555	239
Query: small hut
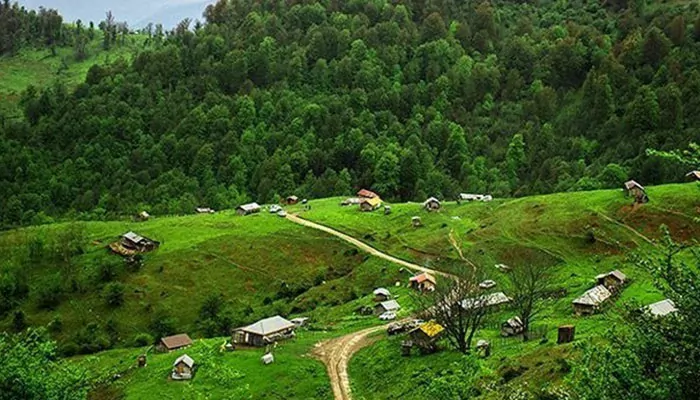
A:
693	175
432	204
591	301
426	335
384	306
487	284
267	358
423	282
299	321
142	216
512	327
247	209
612	280
141	361
483	347
204	210
170	343
416	222
131	243
370	203
183	368
291	200
661	308
634	189
366	194
566	334
381	294
471	197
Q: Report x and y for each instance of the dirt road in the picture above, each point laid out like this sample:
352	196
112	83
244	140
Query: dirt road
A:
336	353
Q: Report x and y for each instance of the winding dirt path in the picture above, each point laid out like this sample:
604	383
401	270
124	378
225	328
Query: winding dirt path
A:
336	353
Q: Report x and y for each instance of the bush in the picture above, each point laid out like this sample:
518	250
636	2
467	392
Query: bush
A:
142	339
162	324
49	293
69	349
107	271
113	294
56	324
19	321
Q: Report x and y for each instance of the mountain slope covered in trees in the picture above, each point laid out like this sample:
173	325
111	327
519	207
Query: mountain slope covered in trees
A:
413	99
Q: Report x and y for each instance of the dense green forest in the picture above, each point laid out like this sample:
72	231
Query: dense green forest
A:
318	97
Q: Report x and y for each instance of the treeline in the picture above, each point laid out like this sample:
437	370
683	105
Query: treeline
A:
319	98
20	27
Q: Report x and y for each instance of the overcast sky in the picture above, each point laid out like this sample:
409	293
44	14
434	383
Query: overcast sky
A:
136	12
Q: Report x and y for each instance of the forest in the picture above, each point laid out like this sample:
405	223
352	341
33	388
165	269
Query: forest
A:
317	98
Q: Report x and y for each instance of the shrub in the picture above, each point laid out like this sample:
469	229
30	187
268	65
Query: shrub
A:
142	339
49	293
113	294
162	324
56	324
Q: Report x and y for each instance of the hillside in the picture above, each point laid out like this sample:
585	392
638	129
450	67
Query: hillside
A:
411	100
575	235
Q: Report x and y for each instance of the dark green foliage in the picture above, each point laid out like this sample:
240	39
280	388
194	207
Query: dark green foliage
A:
113	294
162	324
19	321
142	339
32	372
49	292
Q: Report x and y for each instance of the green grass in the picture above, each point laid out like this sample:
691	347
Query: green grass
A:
39	67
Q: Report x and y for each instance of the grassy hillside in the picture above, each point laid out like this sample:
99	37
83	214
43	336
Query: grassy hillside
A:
39	67
577	235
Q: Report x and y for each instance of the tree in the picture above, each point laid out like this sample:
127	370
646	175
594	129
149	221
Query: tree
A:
113	294
529	288
19	321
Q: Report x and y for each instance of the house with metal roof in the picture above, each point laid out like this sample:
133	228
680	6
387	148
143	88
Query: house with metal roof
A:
591	300
183	367
488	300
612	280
384	306
170	343
634	189
132	243
265	331
381	294
247	209
661	308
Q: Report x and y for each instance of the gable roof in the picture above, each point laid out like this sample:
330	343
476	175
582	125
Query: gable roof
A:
632	184
422	277
381	291
184	359
514	322
431	328
487	300
431	200
467	196
661	308
367	193
249	207
390	305
373	201
133	237
693	174
268	326
616	273
176	341
594	296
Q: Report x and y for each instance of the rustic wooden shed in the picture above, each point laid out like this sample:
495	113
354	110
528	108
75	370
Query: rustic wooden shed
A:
381	294
247	209
512	327
566	334
170	343
426	336
370	204
183	367
612	280
591	300
384	306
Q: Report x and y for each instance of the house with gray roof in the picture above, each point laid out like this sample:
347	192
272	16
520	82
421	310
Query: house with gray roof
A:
384	306
591	300
247	209
265	331
661	308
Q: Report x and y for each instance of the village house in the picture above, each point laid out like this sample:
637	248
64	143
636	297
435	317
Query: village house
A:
423	282
291	200
204	210
693	175
381	294
170	343
432	204
131	243
366	194
634	189
142	216
384	306
370	204
487	284
247	209
491	300
265	331
590	301
612	280
512	327
183	368
299	321
426	335
471	197
661	308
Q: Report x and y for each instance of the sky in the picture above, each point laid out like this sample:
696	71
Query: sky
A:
137	13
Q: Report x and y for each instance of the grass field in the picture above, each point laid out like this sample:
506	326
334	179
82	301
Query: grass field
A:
40	68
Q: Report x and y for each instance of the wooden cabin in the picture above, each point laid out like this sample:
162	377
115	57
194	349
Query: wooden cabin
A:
370	204
612	280
426	336
247	209
381	294
423	282
263	332
170	343
634	189
131	244
432	204
183	367
591	301
512	327
291	200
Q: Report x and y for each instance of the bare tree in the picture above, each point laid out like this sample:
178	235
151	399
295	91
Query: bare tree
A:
529	287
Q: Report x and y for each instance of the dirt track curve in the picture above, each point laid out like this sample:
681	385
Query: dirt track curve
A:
336	353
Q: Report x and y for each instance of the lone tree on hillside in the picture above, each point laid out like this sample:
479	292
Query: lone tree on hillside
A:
529	286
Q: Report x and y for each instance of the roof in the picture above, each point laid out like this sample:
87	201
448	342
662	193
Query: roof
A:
467	196
431	328
203	210
693	174
514	322
185	359
422	277
661	308
632	184
616	273
133	237
487	300
390	305
594	297
176	341
382	291
249	207
268	326
367	193
373	201
292	197
431	200
487	284
144	214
